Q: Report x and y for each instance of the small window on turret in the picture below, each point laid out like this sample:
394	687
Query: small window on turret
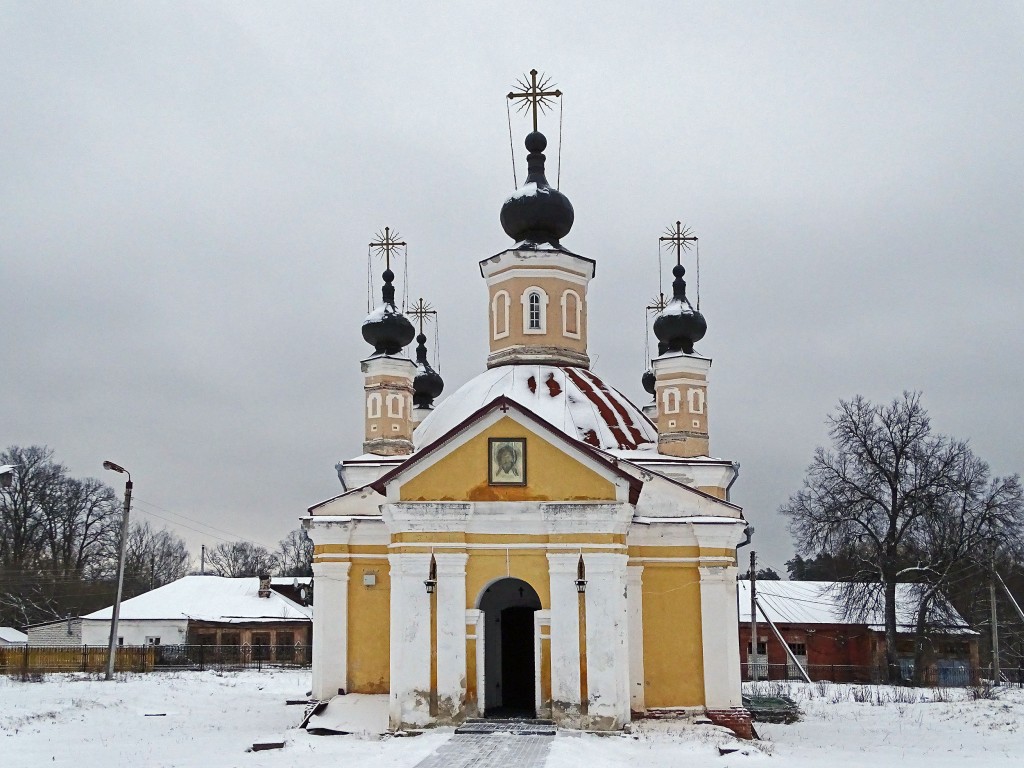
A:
535	311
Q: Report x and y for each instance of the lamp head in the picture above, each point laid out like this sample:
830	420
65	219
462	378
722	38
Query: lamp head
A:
115	467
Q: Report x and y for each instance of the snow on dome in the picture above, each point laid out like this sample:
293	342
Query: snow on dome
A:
529	189
573	400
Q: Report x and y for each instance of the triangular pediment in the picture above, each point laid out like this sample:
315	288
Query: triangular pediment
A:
504	452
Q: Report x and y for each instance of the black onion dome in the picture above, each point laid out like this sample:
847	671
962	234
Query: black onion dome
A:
387	329
537	212
679	326
428	383
648	380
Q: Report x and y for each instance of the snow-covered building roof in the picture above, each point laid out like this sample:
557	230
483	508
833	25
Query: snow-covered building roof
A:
820	602
210	598
573	400
11	636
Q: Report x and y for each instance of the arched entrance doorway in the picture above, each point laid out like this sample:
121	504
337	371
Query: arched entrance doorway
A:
510	688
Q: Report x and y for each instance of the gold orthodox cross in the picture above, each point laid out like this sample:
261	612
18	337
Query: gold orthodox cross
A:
535	95
679	238
423	312
386	243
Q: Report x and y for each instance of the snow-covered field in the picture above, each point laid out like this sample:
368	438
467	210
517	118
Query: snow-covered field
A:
206	719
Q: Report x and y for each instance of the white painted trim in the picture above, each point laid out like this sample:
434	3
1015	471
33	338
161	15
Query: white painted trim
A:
565	315
541	618
395	405
696	396
547	274
565	636
719	631
451	629
476	617
634	603
495	335
524	299
330	629
722	560
670	400
373	405
531	545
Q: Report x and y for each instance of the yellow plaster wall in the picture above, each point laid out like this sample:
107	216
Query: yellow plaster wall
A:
369	627
552	474
673	653
488	565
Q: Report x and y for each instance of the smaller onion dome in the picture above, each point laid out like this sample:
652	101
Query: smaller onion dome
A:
679	326
387	329
648	380
428	383
537	213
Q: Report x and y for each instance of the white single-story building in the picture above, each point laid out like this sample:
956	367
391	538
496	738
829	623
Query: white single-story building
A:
10	636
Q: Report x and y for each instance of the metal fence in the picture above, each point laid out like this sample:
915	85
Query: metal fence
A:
956	675
35	659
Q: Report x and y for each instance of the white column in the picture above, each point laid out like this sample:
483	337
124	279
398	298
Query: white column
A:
607	641
330	629
720	637
565	639
410	640
635	605
451	634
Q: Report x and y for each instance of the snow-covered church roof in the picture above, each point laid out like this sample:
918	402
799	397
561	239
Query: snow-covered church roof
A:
573	400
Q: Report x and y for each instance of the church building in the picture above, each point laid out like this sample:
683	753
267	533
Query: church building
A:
533	544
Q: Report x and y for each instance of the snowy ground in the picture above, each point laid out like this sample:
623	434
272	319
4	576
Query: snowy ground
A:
205	719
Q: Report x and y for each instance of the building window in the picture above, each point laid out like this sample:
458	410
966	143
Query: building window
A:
670	400
572	309
152	640
396	406
499	315
535	303
696	400
373	405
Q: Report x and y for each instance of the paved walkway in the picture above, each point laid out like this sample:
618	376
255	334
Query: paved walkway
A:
513	746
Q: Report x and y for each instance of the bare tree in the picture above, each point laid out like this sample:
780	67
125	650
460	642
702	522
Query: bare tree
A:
903	503
295	554
153	558
241	558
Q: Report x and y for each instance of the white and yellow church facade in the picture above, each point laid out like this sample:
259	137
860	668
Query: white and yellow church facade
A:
533	544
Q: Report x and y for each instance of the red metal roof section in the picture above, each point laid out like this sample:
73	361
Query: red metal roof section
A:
607	406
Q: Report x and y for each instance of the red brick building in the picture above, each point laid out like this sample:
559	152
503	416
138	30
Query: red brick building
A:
810	619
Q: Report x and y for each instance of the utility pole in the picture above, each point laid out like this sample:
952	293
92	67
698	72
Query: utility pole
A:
995	624
753	616
202	561
112	650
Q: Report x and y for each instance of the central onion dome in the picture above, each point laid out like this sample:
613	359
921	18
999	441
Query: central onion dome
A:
679	326
537	213
572	400
428	383
387	329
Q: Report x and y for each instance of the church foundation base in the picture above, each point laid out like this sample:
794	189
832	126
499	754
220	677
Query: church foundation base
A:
736	719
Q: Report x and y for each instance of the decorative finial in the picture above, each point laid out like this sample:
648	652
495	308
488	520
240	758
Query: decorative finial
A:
536	213
534	95
385	327
386	244
428	384
678	325
678	238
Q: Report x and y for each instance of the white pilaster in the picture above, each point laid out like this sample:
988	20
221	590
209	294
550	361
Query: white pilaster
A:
634	602
330	629
565	638
719	633
451	634
607	641
410	640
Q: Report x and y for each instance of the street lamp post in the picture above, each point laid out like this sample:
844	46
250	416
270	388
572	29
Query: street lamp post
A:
112	650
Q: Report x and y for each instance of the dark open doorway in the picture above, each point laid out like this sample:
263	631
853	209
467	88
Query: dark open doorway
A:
509	663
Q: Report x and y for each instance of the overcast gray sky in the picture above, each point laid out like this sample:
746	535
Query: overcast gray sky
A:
187	190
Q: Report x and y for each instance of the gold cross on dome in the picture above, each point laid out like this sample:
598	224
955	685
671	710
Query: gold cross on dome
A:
423	312
386	243
679	238
535	95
